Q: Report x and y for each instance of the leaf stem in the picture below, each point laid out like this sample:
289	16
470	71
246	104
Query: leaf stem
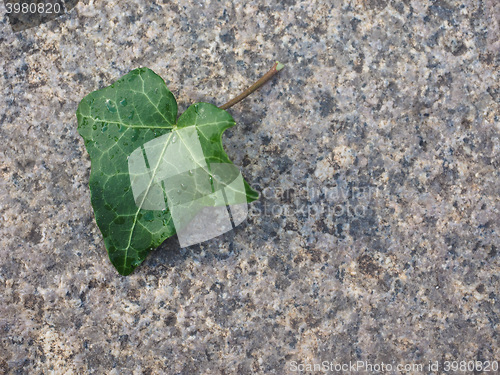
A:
266	77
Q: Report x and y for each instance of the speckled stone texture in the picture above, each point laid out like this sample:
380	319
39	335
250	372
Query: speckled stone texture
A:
376	152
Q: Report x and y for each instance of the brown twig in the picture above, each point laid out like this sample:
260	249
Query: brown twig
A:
266	77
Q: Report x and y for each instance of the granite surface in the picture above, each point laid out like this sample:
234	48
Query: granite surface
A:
376	152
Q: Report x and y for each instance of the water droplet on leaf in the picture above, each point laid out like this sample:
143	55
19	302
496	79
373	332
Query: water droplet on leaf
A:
149	216
110	105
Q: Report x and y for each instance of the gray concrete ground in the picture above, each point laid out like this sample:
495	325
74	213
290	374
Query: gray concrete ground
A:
376	152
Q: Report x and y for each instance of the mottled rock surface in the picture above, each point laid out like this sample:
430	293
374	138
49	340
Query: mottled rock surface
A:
376	151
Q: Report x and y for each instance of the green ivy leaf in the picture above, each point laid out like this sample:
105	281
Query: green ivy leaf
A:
130	131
